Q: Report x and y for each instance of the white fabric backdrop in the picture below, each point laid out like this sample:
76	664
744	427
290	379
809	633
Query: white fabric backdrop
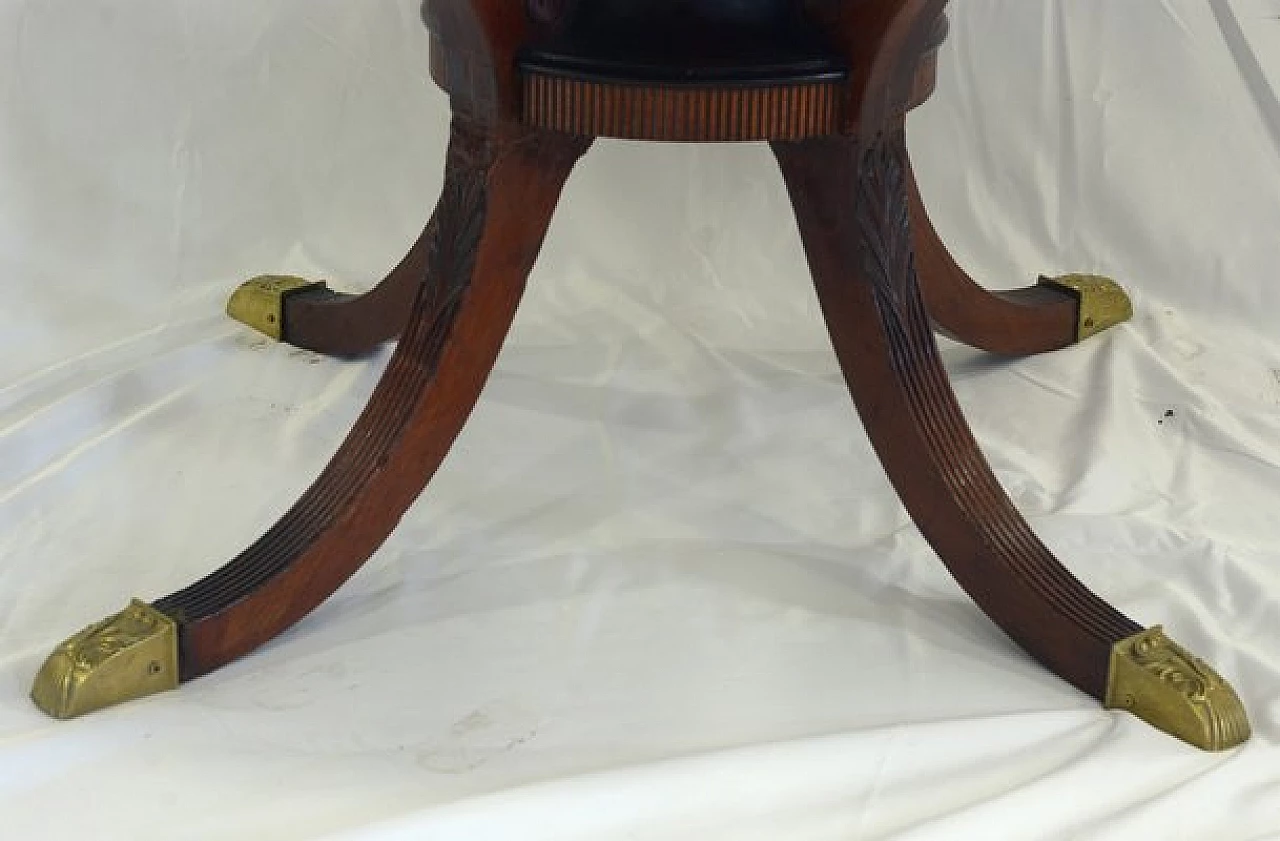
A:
660	589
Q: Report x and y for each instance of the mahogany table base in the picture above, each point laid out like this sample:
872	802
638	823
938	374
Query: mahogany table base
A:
885	282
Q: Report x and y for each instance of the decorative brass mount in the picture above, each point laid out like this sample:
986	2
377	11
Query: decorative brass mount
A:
259	303
1166	686
1103	302
128	656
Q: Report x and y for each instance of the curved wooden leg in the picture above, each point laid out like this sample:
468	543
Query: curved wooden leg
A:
501	187
852	204
312	316
1053	314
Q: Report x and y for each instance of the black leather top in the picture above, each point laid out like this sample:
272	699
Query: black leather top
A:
686	42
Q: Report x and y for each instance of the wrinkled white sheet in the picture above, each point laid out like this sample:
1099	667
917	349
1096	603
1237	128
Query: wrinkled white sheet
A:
660	589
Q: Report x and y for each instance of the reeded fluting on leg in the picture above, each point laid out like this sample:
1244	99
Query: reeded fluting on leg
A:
502	184
851	203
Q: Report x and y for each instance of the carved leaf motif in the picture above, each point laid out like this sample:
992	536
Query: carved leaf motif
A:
459	225
464	208
884	219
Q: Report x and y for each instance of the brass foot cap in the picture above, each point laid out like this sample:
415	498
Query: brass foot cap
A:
1103	302
1166	686
259	303
128	656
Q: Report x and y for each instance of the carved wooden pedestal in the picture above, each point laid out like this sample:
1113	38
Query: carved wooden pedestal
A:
829	84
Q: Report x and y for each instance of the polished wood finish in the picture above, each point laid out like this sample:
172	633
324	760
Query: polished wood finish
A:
701	115
338	324
709	72
502	184
852	205
880	283
474	44
1014	322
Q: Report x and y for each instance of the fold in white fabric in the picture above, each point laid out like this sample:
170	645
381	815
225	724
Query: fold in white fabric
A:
661	588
